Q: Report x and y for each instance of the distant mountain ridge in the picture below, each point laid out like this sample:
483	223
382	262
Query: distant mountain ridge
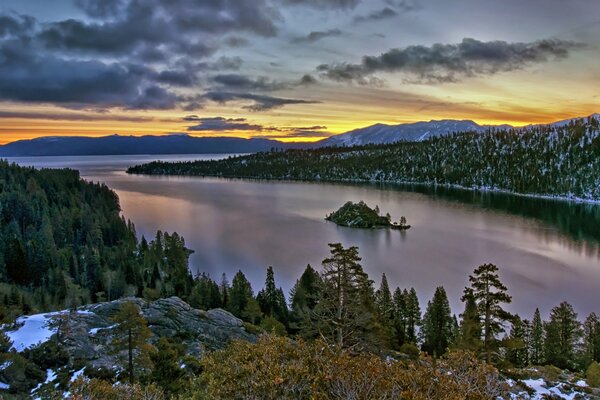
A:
415	132
184	144
122	145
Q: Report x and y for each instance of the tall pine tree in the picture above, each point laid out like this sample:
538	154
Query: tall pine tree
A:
436	330
490	293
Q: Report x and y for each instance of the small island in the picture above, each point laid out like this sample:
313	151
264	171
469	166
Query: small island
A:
360	215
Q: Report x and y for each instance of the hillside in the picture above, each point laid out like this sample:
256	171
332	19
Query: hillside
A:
119	145
557	161
416	132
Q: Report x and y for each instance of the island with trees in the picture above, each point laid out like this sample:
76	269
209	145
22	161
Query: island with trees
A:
360	215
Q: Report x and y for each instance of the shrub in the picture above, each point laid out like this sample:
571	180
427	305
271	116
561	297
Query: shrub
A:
277	367
593	374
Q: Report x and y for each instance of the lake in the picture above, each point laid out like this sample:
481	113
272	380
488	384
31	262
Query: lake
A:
547	251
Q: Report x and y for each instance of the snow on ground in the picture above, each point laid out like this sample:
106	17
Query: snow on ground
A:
77	374
94	331
542	391
5	365
4	386
32	330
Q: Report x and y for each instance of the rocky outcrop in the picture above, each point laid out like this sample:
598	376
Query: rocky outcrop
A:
89	332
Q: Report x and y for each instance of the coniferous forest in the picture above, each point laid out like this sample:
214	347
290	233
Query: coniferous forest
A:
548	160
63	243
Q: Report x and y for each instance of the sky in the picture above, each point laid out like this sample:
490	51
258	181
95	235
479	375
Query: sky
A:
293	70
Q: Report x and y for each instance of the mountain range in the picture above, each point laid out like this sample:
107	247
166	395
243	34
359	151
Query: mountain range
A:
184	144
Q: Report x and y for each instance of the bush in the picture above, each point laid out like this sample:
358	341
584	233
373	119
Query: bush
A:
96	389
410	350
277	367
271	325
593	374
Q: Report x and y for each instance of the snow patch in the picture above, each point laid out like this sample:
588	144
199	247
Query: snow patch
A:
32	330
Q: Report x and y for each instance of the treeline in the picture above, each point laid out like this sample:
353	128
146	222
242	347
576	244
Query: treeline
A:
63	243
342	306
543	160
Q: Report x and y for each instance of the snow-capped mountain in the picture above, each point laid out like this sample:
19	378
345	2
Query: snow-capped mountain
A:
414	132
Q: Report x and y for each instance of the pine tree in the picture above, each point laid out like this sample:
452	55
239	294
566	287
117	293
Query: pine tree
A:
436	330
272	300
343	315
399	318
469	337
166	371
304	298
239	295
413	314
518	353
384	301
489	293
536	341
224	289
562	334
591	328
134	333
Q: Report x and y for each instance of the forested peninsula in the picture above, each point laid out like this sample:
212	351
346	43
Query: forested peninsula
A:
555	161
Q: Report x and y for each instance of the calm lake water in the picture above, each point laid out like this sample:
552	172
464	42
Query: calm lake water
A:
547	251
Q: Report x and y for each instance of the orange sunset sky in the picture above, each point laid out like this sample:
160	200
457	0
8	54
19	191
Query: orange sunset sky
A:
291	70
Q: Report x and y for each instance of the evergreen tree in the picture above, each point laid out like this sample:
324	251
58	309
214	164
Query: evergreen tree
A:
342	314
591	328
489	293
224	289
167	372
399	318
563	331
304	298
436	330
272	300
469	337
133	332
536	341
413	314
384	302
518	353
239	295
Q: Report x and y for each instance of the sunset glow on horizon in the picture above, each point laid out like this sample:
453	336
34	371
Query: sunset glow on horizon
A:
290	70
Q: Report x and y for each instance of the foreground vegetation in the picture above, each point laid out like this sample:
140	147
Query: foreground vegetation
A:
543	160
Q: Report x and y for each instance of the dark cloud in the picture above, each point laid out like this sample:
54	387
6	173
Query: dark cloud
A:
101	9
308	80
404	5
320	4
235	41
259	102
243	83
317	35
130	54
76	116
450	62
221	124
376	16
15	24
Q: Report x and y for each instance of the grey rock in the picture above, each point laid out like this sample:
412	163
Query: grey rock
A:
88	334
